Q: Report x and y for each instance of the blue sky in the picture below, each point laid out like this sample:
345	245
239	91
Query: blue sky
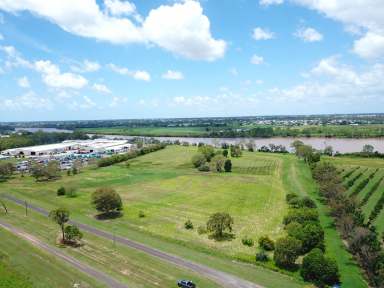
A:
104	59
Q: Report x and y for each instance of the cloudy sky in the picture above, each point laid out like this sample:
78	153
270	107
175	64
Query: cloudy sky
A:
103	59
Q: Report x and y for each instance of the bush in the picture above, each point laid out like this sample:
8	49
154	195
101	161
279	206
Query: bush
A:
198	160
141	214
61	191
72	233
301	215
188	225
291	196
307	202
287	250
228	165
247	241
320	270
107	200
201	230
262	256
208	151
266	243
310	234
204	168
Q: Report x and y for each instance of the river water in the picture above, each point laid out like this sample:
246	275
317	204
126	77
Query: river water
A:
342	145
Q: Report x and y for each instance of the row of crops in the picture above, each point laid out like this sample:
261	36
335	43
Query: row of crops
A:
263	167
366	185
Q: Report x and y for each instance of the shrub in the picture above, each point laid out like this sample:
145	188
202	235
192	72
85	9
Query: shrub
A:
247	241
204	168
228	165
291	196
218	223
201	230
208	151
320	270
141	214
307	202
198	160
61	191
225	153
217	163
72	233
301	215
262	256
266	243
287	250
310	234
188	225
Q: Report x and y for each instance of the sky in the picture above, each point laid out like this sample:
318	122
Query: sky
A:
115	59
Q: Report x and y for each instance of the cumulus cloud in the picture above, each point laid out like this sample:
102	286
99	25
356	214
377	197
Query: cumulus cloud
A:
86	66
181	28
101	88
257	60
173	75
28	100
262	34
308	34
23	82
270	2
367	15
53	77
137	75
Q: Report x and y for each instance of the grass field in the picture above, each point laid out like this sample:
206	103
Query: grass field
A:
22	265
169	191
364	179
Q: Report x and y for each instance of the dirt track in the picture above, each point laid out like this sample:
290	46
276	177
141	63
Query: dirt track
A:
223	279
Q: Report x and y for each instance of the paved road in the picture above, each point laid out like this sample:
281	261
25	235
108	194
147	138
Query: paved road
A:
91	272
223	279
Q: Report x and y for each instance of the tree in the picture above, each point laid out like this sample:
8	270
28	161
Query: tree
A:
225	153
287	250
6	170
296	144
37	171
60	216
217	163
198	160
367	148
266	243
107	200
320	270
218	223
72	233
52	170
228	165
235	151
208	151
310	234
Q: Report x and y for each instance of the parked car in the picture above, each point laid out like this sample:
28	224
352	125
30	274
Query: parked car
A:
186	284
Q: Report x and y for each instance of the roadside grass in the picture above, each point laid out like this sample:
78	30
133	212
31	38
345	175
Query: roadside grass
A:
298	180
28	266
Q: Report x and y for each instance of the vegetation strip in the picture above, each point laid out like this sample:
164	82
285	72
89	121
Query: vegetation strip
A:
100	276
371	191
224	279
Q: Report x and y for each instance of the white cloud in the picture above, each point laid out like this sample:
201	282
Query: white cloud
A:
173	75
257	60
308	34
101	88
138	74
262	34
52	76
367	14
14	58
86	66
28	100
181	28
270	2
23	82
87	103
118	8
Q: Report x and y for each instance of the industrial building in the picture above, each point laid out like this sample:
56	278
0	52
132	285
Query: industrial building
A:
76	146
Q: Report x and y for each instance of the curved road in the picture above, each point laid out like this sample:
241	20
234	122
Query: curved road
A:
91	272
223	279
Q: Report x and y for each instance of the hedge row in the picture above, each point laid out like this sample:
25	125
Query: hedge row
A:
117	158
371	191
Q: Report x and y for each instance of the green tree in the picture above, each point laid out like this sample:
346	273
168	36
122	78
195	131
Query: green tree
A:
60	216
310	234
367	148
72	233
266	243
228	165
296	144
52	170
217	163
37	171
198	160
218	223
235	151
320	270
328	150
6	170
287	250
106	200
208	151
225	153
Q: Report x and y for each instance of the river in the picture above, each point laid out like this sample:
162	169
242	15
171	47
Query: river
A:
342	145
